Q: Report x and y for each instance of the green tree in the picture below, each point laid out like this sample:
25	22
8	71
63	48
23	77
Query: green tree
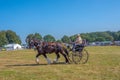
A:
28	38
100	39
109	38
106	36
37	36
72	38
9	36
65	39
49	38
118	36
59	41
12	37
3	39
85	36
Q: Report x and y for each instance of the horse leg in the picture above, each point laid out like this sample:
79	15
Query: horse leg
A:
56	59
48	60
66	60
66	51
37	59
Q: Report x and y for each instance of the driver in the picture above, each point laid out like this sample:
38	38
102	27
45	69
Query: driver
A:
78	41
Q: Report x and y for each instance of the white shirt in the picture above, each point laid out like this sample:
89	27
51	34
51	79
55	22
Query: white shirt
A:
78	40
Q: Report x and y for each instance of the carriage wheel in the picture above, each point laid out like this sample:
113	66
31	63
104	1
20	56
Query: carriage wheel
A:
85	56
76	57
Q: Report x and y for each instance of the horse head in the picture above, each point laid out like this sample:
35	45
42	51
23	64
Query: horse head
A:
33	43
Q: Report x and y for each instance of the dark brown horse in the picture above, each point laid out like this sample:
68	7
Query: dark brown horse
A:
49	47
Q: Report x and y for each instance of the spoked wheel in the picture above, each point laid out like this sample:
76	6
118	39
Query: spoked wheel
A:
80	57
76	57
85	56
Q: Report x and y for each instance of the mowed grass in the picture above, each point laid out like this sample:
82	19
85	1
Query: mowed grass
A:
103	64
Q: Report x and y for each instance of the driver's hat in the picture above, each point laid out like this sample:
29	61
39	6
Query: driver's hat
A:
78	35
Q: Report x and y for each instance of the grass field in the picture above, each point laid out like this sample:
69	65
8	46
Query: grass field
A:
103	64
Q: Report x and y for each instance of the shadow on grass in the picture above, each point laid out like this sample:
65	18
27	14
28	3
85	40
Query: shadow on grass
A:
59	63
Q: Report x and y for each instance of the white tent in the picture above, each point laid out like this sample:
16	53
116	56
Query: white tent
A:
13	46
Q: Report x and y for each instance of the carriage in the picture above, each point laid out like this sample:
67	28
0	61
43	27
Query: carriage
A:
76	55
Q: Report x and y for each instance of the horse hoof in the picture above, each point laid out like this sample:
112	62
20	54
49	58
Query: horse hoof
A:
54	62
67	62
37	62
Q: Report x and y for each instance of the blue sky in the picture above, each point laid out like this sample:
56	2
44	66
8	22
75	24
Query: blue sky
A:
59	17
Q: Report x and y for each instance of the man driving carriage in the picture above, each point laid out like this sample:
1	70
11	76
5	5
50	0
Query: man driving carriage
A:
78	39
78	43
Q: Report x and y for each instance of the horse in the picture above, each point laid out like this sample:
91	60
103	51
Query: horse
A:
49	47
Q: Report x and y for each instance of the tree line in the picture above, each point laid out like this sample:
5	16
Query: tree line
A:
10	36
90	37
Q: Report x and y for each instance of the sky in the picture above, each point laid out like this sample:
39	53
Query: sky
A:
59	17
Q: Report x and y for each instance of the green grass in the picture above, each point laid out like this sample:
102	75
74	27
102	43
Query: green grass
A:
103	64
